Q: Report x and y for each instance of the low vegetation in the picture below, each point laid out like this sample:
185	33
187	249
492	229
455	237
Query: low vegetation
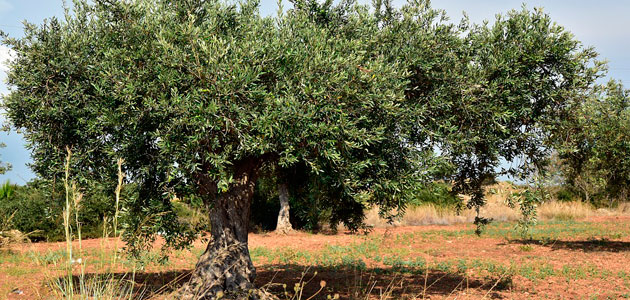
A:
396	263
497	208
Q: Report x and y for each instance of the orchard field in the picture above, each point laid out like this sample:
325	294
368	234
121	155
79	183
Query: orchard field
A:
210	149
564	259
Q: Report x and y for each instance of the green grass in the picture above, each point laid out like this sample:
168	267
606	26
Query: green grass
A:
395	255
47	258
544	231
397	258
9	257
17	270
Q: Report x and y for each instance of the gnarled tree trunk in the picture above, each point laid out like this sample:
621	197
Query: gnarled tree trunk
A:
284	224
225	269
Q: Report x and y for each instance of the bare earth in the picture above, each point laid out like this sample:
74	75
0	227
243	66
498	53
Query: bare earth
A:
586	259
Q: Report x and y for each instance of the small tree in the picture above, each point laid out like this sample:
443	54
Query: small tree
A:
594	146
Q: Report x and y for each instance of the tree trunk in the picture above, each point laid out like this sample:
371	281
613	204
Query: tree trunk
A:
225	269
284	225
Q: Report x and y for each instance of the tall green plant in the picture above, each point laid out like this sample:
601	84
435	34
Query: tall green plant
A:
7	214
106	285
6	190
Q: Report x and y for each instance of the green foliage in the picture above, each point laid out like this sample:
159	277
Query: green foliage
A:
36	210
564	194
265	203
192	213
185	92
435	193
595	145
310	206
357	100
6	215
6	190
520	75
4	167
527	201
34	213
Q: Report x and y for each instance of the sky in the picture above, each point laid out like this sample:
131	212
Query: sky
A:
602	24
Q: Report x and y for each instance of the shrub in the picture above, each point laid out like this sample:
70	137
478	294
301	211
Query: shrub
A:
436	193
37	210
565	195
190	211
33	212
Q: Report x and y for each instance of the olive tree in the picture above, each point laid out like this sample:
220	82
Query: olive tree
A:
197	97
519	77
594	146
283	226
487	94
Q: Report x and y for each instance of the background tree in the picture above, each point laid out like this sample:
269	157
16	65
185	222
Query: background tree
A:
519	77
487	94
283	226
595	143
4	167
36	209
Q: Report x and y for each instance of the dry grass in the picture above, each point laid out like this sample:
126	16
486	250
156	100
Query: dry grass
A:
9	236
12	237
495	208
624	208
565	210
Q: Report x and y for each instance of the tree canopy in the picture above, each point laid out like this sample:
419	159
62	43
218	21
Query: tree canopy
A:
521	76
594	145
198	96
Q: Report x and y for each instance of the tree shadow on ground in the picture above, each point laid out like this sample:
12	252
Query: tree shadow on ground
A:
348	283
352	283
595	245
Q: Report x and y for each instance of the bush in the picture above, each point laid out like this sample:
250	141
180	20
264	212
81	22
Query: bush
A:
33	212
436	193
565	195
192	213
37	210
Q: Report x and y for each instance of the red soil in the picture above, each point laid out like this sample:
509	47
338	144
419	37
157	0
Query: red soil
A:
604	262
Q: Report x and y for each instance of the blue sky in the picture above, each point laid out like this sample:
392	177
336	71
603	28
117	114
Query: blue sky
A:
603	24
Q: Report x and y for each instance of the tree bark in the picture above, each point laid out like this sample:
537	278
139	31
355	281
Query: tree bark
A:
284	224
225	269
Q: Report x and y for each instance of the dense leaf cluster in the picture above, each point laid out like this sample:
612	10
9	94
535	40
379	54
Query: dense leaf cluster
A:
595	145
36	210
367	102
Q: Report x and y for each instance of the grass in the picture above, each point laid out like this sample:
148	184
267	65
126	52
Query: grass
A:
399	263
63	278
405	265
556	210
496	209
389	265
397	259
